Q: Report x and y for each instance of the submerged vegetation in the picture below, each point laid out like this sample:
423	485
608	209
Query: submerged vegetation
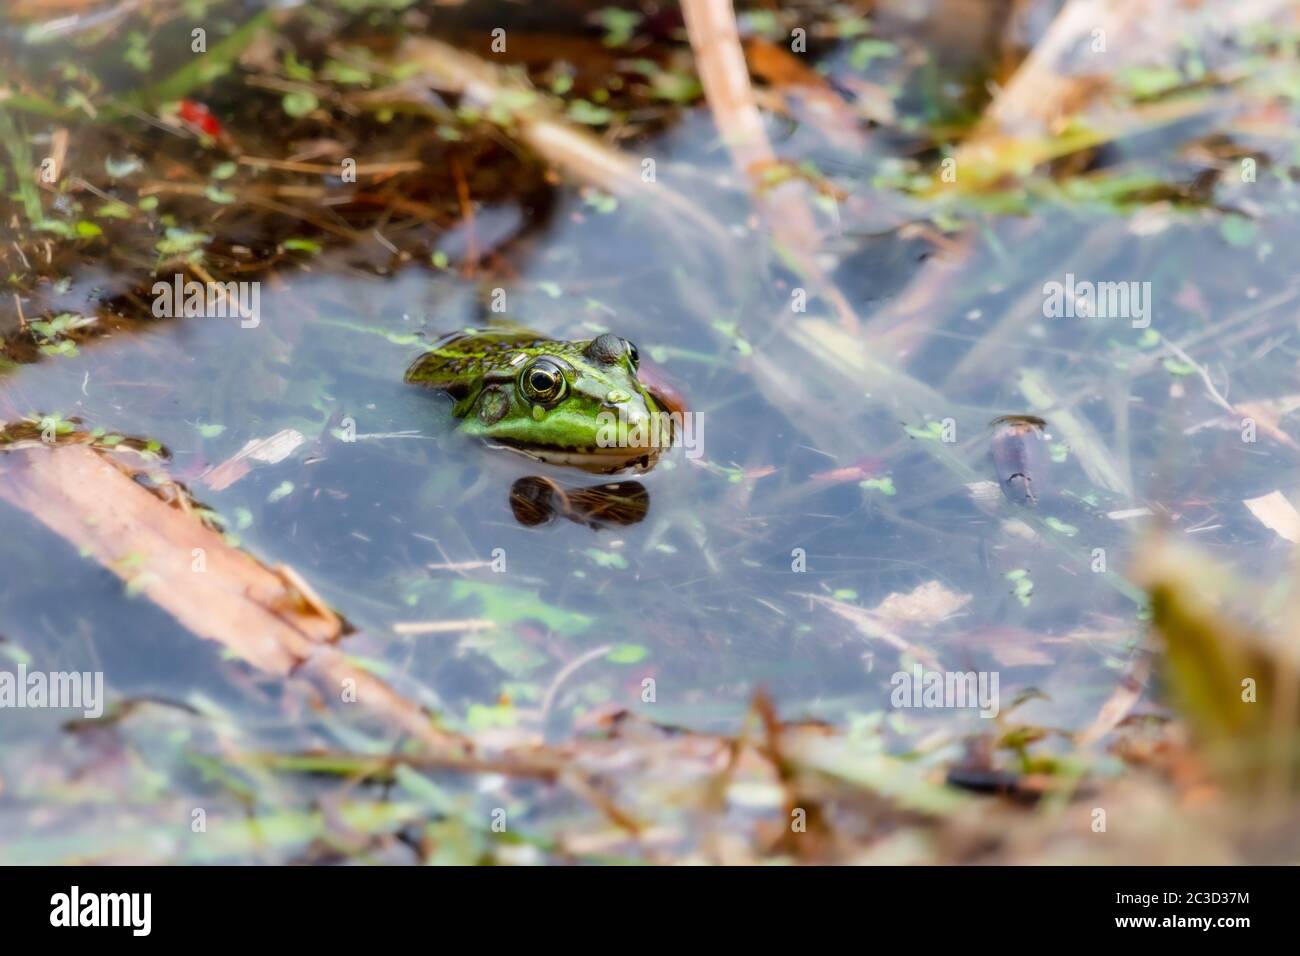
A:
982	321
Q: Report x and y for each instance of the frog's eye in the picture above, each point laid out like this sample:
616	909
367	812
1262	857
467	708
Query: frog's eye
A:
543	381
609	349
633	354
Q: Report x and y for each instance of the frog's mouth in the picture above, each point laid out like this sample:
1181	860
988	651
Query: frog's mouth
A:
602	461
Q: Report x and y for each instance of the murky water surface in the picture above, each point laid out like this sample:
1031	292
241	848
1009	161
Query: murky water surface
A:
818	490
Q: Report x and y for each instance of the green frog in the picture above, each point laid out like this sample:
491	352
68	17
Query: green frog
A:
565	403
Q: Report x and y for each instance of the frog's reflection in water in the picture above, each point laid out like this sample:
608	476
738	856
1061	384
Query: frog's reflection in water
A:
537	501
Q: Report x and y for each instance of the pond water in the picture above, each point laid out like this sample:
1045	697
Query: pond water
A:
823	484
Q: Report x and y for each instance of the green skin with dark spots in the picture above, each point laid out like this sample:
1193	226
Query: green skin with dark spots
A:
494	375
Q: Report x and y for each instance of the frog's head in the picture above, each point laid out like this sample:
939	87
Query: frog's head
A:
567	403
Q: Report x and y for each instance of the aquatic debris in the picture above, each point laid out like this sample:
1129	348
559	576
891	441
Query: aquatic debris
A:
1027	789
1276	513
1119	704
1056	101
538	121
1021	457
1099	463
1237	683
97	504
984	491
1128	514
720	61
863	469
924	606
268	451
421	628
269	617
1266	415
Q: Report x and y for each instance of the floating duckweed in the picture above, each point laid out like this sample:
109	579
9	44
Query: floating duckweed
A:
601	202
1237	230
1060	526
282	490
627	654
607	559
1024	586
933	430
883	485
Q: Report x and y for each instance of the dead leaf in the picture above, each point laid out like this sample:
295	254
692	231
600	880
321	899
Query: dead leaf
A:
266	451
1276	513
1010	646
926	604
1118	704
1268	415
923	606
857	471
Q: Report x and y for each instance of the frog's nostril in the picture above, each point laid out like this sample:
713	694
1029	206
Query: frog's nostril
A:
616	396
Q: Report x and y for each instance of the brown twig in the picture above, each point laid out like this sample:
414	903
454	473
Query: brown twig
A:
720	62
